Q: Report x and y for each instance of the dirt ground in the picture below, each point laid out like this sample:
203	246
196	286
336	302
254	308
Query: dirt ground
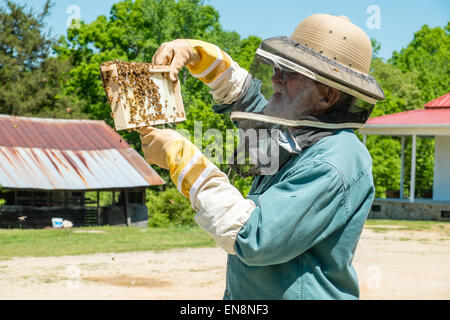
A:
394	264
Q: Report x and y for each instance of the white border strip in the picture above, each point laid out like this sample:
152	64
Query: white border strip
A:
236	115
188	166
302	70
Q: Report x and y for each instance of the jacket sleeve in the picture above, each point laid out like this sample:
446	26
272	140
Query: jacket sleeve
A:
293	215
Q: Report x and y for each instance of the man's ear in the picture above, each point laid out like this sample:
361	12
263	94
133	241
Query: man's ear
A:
331	95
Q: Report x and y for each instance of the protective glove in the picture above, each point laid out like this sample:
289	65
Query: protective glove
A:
177	53
207	62
221	209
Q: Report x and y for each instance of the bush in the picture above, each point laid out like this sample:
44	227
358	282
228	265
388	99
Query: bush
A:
169	208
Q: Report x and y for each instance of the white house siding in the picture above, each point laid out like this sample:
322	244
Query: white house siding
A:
441	188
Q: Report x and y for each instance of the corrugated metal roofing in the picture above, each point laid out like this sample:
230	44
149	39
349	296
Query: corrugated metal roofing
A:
54	154
441	102
58	134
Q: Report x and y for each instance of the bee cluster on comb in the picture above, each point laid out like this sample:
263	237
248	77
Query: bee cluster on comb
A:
141	94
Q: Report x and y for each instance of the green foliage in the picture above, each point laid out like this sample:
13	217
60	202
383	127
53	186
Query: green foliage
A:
31	81
385	152
168	208
424	166
427	55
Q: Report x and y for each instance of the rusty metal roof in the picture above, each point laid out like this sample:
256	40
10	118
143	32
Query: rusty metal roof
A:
57	154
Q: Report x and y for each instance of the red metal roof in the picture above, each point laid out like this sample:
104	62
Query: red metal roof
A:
436	112
416	117
56	154
441	102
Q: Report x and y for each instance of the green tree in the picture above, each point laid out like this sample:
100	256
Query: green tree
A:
30	79
168	207
132	32
427	55
385	152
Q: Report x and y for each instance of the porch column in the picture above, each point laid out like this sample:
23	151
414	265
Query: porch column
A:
413	169
402	168
365	139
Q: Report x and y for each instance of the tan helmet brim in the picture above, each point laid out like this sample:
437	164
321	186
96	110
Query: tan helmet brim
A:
316	66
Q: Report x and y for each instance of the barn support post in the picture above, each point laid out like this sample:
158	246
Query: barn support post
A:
125	206
413	169
98	206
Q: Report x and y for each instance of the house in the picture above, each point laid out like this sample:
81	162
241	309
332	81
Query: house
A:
432	121
65	168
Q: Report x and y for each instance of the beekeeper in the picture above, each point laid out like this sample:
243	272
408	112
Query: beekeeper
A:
295	235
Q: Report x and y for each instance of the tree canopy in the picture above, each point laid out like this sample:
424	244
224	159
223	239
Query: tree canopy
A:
31	80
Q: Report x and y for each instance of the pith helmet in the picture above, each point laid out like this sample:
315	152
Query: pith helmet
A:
328	49
336	38
335	50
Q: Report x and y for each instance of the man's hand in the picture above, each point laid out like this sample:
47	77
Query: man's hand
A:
206	62
170	150
221	209
177	53
163	147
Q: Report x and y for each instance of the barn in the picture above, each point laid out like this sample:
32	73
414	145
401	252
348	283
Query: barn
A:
77	170
431	121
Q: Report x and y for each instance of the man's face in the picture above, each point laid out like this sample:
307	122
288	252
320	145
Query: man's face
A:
295	95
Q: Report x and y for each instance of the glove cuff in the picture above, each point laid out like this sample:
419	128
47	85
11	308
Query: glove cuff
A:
217	70
188	167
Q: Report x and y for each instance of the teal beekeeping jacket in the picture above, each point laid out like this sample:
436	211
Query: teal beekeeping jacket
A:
300	240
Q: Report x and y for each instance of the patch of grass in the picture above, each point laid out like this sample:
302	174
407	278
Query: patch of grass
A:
380	225
59	242
379	229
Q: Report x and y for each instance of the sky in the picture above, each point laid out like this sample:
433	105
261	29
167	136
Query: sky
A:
391	22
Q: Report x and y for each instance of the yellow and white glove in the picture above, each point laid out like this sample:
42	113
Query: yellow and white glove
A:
208	63
221	209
